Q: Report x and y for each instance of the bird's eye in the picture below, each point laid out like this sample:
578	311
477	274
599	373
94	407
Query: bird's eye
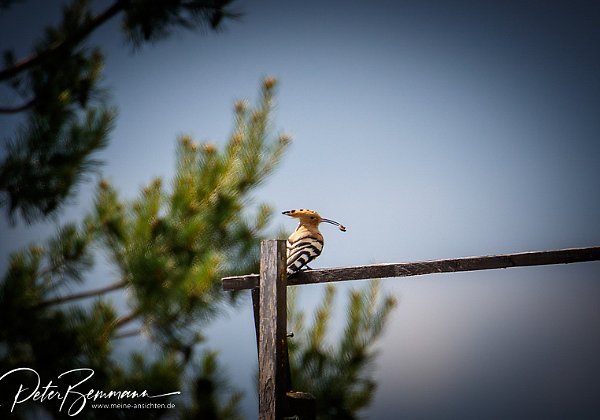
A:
312	217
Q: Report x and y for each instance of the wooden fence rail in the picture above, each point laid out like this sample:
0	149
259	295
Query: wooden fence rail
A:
561	256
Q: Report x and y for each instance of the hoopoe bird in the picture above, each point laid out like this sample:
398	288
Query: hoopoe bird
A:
306	243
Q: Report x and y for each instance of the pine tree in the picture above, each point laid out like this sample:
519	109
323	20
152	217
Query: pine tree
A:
57	90
339	373
170	246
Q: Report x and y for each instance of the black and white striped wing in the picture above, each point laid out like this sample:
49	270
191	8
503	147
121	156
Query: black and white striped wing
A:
301	252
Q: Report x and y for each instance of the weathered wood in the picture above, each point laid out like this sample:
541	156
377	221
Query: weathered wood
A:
247	281
272	369
256	310
561	256
301	405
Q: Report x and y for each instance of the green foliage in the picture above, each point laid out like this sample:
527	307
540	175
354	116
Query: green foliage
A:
173	246
48	157
67	120
43	337
152	20
170	246
340	375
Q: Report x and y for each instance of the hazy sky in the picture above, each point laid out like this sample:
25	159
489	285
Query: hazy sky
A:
432	129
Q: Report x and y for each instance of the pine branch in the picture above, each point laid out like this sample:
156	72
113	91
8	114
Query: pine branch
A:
124	320
65	44
83	295
127	334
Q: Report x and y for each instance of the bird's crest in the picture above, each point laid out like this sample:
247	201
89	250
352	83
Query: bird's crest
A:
311	217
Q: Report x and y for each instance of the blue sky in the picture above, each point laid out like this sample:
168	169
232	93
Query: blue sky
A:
432	130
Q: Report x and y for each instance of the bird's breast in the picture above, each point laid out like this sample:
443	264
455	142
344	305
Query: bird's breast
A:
303	232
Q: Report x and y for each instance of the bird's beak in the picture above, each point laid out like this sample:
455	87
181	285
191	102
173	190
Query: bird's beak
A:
333	222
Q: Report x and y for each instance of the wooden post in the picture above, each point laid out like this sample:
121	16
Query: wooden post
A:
272	367
256	310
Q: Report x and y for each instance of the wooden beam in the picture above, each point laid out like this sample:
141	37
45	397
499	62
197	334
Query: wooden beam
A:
326	275
272	364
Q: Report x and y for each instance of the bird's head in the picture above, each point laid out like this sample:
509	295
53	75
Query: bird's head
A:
312	218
